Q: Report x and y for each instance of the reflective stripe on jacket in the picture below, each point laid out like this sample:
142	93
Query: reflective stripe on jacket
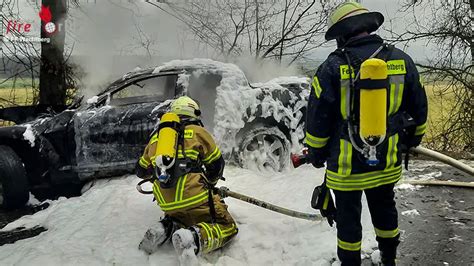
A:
190	190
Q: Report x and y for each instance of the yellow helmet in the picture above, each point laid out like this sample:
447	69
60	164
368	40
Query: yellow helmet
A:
184	105
352	17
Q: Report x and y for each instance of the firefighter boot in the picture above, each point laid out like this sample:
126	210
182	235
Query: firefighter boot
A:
187	244
157	235
388	250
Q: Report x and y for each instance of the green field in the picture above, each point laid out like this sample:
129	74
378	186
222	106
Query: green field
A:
18	83
17	96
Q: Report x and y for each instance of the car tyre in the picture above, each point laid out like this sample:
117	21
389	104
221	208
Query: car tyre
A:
264	148
14	192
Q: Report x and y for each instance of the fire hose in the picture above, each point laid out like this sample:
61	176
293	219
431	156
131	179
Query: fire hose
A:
224	192
444	159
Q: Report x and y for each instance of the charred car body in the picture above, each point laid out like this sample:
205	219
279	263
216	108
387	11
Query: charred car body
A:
103	137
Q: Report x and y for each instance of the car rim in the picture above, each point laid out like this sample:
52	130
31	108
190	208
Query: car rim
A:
266	151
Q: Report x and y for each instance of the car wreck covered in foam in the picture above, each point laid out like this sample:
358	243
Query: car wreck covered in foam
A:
255	126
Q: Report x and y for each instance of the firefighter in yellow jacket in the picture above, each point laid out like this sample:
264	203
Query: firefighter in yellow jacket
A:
186	164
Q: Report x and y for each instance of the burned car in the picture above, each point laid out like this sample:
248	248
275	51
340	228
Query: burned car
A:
104	136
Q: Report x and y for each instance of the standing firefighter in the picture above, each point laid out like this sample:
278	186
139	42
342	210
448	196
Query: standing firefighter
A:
366	107
186	164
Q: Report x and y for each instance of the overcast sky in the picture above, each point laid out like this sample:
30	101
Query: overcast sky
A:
108	25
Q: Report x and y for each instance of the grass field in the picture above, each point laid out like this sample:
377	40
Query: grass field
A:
18	83
17	96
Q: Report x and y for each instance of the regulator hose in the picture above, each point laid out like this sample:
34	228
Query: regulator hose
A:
139	185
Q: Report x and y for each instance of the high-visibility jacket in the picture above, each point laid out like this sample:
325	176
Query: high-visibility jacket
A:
190	190
328	108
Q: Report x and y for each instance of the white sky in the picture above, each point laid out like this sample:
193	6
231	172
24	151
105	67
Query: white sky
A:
110	28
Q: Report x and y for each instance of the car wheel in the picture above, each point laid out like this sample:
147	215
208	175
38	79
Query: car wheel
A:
14	191
264	148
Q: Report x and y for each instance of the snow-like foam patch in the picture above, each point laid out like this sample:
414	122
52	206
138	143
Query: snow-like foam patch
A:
407	187
92	100
410	213
106	224
29	135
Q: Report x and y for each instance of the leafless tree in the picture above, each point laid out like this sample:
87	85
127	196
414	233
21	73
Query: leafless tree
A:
20	59
27	61
281	30
446	27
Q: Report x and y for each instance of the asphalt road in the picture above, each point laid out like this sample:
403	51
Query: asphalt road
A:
441	234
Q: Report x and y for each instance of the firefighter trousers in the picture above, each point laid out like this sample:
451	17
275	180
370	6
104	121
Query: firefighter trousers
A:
212	235
384	217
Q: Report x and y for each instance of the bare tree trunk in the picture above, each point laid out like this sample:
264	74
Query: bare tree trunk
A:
283	29
53	69
257	47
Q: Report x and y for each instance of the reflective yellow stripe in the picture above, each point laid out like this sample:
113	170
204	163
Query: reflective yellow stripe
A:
392	151
396	93
344	71
201	197
345	96
365	176
386	233
345	158
420	130
351	186
396	67
180	188
392	98
209	236
143	162
316	142
348	245
326	200
317	87
230	231
157	193
190	153
153	160
213	156
220	238
154	138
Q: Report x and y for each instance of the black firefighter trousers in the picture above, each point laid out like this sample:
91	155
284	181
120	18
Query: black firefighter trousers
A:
384	219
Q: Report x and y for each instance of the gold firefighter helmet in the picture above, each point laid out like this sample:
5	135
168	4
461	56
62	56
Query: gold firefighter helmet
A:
351	17
186	106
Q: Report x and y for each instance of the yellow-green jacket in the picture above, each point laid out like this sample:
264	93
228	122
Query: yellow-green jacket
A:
191	189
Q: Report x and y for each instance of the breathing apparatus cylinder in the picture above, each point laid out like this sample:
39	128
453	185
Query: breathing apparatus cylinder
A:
373	105
167	145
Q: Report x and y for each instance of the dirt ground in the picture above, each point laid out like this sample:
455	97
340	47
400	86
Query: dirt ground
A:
442	233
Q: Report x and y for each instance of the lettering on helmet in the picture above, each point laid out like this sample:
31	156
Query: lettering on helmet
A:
188	133
396	67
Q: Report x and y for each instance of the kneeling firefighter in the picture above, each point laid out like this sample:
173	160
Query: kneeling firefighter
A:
186	164
366	107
